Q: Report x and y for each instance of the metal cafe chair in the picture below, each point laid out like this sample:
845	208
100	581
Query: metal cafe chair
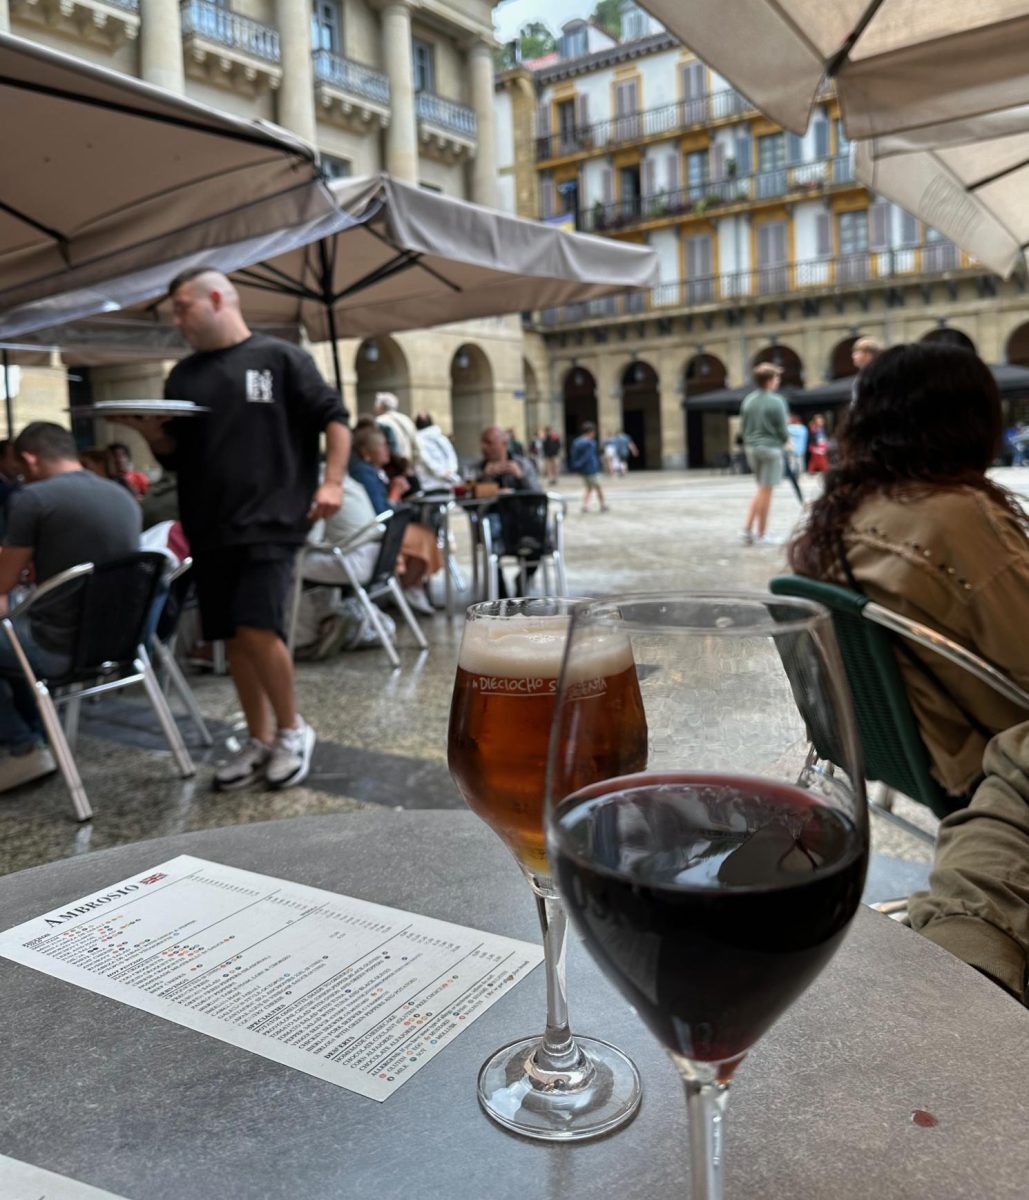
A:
894	752
531	529
383	581
114	606
163	643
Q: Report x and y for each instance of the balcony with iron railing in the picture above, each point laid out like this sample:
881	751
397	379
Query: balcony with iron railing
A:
802	277
230	43
665	120
446	129
351	93
707	196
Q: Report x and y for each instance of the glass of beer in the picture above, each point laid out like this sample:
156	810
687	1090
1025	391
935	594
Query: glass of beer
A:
554	1086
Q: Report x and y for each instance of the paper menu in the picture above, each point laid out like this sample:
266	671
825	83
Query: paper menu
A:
352	992
22	1181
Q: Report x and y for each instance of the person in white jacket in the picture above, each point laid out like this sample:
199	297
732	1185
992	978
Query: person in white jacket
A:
439	466
402	434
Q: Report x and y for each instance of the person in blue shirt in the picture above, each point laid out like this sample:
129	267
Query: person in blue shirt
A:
584	460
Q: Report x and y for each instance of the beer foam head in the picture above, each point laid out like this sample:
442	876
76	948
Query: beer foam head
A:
521	647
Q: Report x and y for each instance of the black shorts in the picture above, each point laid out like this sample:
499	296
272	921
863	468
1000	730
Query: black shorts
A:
243	585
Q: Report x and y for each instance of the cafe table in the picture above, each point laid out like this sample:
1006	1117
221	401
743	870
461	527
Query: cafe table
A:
822	1107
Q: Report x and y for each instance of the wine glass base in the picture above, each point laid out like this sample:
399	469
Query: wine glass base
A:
560	1108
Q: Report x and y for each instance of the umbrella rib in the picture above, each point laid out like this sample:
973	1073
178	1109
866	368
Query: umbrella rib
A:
285	288
403	262
454	287
840	57
239	135
988	179
59	238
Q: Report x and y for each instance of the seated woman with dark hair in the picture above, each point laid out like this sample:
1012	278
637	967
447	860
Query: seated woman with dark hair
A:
909	518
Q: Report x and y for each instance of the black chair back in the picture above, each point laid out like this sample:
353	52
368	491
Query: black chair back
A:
115	607
523	524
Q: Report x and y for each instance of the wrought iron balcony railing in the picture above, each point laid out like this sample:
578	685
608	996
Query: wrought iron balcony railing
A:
446	114
226	28
762	282
351	77
709	195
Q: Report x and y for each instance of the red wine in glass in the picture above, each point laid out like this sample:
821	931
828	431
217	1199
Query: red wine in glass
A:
711	901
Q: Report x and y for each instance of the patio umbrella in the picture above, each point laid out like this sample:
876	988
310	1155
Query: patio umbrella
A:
407	258
111	186
899	65
972	189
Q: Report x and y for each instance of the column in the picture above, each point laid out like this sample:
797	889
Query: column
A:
402	134
160	44
296	92
5	17
484	166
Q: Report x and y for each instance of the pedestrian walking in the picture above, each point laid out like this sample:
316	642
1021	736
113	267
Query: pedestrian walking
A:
584	460
763	428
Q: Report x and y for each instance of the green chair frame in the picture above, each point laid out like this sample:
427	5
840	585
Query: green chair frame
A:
890	739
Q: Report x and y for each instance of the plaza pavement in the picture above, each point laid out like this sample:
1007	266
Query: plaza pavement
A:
382	733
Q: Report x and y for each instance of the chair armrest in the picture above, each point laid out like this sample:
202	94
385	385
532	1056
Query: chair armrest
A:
931	639
51	585
358	538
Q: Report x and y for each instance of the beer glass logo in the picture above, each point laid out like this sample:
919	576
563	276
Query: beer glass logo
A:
529	685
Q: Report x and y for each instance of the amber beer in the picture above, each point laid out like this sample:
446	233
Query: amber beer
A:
504	697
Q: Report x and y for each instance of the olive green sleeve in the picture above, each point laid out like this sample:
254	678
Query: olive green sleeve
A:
977	906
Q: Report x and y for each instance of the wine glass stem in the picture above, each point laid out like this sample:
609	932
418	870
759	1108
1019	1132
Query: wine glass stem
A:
558	1051
705	1108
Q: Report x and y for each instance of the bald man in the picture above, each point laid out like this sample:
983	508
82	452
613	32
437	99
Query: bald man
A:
248	493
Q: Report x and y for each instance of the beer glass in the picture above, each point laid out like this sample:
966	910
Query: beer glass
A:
554	1087
714	885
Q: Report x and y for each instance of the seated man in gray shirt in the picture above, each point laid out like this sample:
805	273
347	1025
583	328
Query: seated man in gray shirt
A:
64	516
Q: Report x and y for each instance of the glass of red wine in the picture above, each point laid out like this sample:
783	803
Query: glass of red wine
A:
714	885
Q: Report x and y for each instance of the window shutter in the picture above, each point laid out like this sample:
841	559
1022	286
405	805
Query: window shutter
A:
908	228
672	172
609	186
744	156
821	138
582	110
794	150
698	256
543	121
762	245
718	161
627	98
547	198
690	258
649	177
823	235
879	226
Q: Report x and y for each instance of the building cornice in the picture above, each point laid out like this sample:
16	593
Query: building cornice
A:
611	57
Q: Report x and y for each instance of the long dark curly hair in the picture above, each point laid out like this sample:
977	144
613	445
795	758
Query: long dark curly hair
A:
926	417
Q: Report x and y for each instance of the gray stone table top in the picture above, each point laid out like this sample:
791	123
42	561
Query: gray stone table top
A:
150	1110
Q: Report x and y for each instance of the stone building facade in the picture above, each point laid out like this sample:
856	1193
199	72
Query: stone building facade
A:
768	248
399	85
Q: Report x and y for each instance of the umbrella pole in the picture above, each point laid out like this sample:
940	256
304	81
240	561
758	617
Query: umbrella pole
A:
335	351
8	403
330	312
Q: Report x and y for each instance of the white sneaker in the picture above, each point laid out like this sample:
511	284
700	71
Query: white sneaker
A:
769	539
291	756
16	769
416	597
245	768
746	537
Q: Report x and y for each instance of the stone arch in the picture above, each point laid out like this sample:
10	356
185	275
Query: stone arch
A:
947	336
840	364
1016	349
785	357
471	397
579	392
705	431
641	413
381	366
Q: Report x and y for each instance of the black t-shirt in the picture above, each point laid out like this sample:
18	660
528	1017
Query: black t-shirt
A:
248	470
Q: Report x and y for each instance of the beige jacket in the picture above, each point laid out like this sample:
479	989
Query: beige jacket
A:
958	562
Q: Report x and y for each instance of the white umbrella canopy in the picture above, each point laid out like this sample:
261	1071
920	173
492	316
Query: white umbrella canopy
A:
899	65
110	186
409	258
974	191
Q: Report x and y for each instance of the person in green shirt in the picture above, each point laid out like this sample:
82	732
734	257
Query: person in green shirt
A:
763	428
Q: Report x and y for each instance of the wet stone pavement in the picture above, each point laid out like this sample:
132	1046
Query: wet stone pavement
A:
382	733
